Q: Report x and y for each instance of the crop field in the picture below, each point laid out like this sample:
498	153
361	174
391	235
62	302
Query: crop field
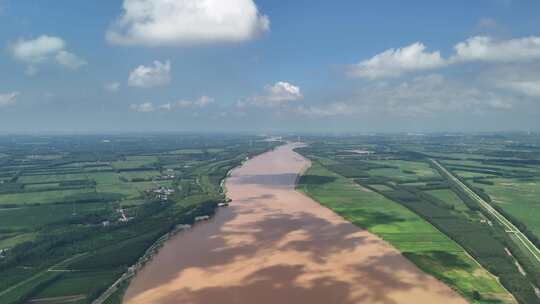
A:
15	239
140	174
73	220
76	284
135	162
502	170
21	219
518	198
419	241
51	178
469	174
407	168
450	197
40	197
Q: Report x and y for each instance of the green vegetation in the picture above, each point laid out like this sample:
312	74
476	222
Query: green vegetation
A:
419	241
449	197
502	169
76	212
518	198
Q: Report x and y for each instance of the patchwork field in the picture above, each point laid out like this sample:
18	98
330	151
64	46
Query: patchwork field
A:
422	243
450	197
71	223
502	170
519	198
403	170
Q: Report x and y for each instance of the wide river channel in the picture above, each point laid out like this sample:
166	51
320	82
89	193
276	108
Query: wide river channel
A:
275	245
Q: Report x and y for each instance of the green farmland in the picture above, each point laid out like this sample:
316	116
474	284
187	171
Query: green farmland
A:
76	212
418	240
503	170
519	198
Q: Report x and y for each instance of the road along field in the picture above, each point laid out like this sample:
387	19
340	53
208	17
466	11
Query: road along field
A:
509	227
275	245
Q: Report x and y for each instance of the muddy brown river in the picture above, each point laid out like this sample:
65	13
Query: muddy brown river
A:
275	245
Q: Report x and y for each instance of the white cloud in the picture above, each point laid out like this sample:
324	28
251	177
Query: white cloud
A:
203	101
283	91
522	79
69	60
425	96
394	62
278	94
112	87
147	107
8	99
37	50
529	88
44	49
186	22
148	76
518	79
165	107
482	48
433	95
143	107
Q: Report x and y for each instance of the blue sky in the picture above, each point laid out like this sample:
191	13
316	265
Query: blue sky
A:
334	66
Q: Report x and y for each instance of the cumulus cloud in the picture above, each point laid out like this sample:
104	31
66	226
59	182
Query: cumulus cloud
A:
112	87
203	101
395	62
186	22
424	96
69	60
529	88
151	76
278	94
44	49
200	102
165	107
148	107
521	79
433	95
283	91
37	50
483	48
8	99
143	107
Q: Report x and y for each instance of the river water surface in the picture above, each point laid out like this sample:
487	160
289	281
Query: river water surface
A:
275	245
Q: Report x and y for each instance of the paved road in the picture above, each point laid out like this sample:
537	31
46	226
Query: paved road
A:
112	289
509	227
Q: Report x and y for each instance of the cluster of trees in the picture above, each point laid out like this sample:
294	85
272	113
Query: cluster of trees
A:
483	242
